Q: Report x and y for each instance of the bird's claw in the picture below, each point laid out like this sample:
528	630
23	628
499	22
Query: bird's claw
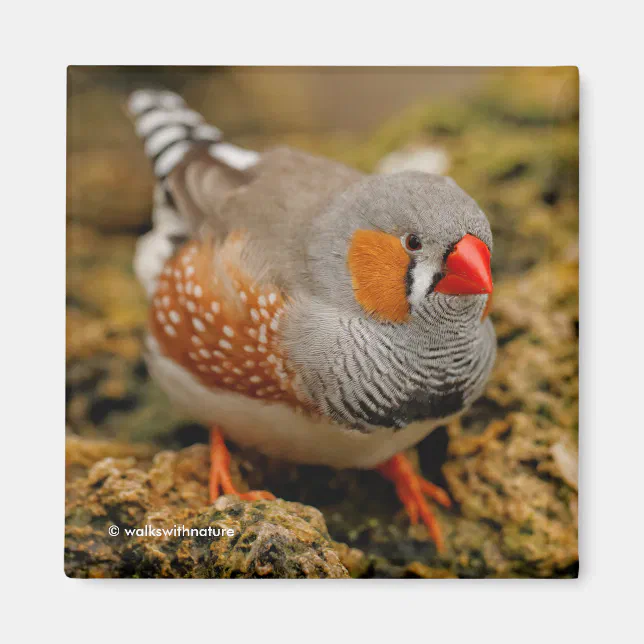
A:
412	490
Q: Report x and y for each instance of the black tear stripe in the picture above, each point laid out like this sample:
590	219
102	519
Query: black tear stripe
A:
409	277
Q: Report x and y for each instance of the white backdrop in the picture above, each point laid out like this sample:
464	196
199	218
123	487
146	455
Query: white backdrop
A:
40	41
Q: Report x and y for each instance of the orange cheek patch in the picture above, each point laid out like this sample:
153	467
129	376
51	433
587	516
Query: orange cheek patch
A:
378	265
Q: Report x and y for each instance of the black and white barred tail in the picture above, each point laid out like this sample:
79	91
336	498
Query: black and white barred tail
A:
170	130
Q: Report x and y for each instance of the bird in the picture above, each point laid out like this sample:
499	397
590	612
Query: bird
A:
307	310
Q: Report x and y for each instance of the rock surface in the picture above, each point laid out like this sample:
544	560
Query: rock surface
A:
174	532
510	462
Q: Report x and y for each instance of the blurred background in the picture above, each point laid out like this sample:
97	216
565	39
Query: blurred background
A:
509	137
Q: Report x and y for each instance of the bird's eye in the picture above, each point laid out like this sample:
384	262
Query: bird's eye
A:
412	242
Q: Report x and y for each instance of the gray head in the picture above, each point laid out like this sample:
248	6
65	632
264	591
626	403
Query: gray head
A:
390	245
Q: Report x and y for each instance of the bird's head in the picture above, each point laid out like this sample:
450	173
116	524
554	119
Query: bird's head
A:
405	246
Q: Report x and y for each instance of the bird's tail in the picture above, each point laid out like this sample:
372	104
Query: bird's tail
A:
170	130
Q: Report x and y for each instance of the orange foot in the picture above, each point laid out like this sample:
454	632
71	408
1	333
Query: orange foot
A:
220	481
412	489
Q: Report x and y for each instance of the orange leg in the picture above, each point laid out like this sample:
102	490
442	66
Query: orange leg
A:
412	490
220	481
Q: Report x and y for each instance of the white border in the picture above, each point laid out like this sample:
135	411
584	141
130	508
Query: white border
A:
39	42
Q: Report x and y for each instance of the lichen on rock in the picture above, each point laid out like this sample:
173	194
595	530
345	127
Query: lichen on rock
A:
167	492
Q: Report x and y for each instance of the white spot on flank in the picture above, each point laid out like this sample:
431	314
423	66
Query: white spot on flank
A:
272	298
198	324
193	356
205	353
272	359
197	291
252	332
216	369
179	287
255	379
229	380
196	340
189	288
265	314
249	363
170	330
254	314
243	297
218	354
224	344
215	307
166	301
209	317
261	348
190	271
174	317
275	324
239	372
161	317
249	349
190	305
261	300
228	331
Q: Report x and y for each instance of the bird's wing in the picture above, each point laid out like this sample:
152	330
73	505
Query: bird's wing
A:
208	187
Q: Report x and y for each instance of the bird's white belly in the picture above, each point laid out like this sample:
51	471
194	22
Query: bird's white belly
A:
276	429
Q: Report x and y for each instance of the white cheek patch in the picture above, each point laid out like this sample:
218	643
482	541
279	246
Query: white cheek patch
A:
421	279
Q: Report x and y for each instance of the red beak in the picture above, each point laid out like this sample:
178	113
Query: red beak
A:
467	269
